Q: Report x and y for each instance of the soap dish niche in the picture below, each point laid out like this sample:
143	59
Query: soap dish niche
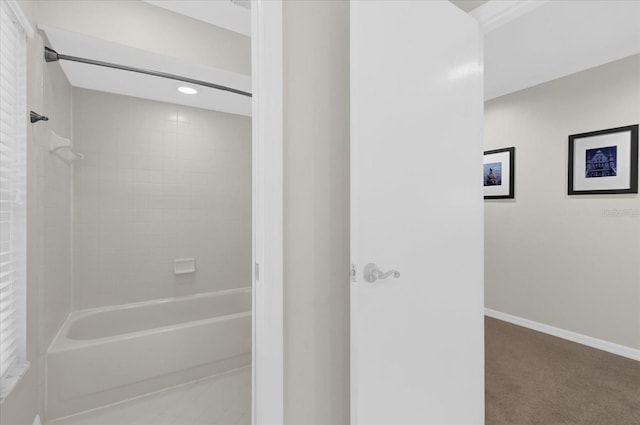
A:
184	265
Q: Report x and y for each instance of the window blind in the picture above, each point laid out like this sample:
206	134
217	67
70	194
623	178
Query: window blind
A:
12	198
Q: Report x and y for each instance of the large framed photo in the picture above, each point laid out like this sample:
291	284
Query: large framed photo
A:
604	161
498	174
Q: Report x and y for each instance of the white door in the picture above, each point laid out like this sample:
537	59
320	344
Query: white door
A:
417	207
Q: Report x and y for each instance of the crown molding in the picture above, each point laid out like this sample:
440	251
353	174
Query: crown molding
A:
496	13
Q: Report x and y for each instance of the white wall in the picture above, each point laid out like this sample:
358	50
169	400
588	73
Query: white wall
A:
159	182
316	212
552	258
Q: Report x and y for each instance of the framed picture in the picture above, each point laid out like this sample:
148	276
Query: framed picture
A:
498	174
604	161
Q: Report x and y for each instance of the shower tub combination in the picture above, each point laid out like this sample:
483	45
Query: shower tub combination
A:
111	354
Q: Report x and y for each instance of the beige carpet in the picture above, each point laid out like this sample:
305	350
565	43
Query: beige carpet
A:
534	378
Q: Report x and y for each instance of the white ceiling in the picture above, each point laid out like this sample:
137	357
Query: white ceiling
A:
145	86
221	13
527	43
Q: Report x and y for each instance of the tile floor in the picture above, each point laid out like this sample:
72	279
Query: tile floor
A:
219	400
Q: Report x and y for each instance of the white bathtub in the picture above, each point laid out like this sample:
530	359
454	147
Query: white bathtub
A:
105	355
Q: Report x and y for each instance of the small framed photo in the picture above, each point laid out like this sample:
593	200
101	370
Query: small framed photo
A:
498	173
604	161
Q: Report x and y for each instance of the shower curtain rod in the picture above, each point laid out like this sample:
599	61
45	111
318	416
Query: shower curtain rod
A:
51	55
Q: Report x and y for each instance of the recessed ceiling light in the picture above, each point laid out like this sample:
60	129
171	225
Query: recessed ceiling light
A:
187	90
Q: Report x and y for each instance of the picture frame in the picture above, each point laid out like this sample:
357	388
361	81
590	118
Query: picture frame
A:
498	173
603	162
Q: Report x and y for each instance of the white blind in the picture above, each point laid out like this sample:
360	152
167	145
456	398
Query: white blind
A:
12	197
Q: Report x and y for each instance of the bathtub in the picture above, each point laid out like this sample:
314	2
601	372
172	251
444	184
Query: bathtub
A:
106	355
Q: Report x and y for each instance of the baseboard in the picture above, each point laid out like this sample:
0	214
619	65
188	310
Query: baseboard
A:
611	347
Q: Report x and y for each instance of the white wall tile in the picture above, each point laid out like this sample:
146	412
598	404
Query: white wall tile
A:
161	182
53	194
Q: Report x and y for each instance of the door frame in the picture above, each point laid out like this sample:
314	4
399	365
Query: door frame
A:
267	400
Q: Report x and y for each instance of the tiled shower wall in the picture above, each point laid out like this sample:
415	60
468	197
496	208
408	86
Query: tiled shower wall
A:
159	182
52	214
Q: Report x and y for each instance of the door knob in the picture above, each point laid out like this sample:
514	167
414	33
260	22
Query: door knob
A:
373	273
